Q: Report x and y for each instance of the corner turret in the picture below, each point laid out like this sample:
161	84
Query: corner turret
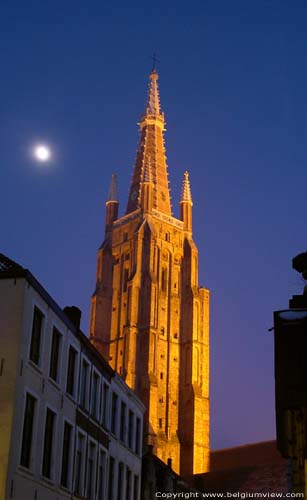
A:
186	204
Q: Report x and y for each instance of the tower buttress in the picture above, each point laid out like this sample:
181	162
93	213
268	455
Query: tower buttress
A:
101	303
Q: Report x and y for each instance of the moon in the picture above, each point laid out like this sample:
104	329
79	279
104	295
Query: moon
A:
42	153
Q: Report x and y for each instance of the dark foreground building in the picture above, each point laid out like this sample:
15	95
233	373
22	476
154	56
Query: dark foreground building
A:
290	335
252	468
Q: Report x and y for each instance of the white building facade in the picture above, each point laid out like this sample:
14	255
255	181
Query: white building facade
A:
69	426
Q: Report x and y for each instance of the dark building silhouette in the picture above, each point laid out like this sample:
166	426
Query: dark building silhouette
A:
290	339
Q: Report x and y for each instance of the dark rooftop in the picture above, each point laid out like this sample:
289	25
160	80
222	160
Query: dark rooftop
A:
7	264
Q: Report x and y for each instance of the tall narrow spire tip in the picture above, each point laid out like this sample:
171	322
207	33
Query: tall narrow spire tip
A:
150	164
186	189
153	101
113	192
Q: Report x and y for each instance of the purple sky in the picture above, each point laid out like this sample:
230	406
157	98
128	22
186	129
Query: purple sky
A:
233	83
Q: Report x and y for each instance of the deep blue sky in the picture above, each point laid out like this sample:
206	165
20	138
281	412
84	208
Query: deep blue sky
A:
233	83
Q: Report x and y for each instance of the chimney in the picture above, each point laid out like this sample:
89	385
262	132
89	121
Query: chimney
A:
74	314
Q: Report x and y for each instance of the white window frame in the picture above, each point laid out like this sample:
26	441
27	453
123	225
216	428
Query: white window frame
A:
139	481
115	475
118	400
106	411
103	450
71	454
91	442
33	455
43	309
55	442
86	406
123	479
82	478
98	395
131	410
58	380
125	433
74	396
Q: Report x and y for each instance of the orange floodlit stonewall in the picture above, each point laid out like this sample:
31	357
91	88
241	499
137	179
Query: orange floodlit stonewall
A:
149	317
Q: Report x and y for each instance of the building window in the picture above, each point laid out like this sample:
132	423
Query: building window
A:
79	465
54	357
138	436
114	413
161	375
160	423
122	431
125	280
128	484
66	454
90	483
130	428
84	384
163	280
27	433
36	335
120	481
101	475
48	443
136	488
95	396
71	371
111	479
125	238
105	406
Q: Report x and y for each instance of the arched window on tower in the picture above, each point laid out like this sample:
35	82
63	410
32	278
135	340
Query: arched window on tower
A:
125	280
163	279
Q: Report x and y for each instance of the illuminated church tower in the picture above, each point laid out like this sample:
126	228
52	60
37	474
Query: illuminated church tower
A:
149	317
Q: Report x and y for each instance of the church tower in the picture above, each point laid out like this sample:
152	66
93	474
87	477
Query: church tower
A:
149	317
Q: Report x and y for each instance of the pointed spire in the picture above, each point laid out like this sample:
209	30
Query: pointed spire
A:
113	193
112	203
186	189
151	145
153	101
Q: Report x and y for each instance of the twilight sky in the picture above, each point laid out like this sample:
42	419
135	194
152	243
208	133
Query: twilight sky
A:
233	83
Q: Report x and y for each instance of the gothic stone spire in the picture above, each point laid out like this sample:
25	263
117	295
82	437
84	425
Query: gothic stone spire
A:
113	193
112	204
186	189
152	126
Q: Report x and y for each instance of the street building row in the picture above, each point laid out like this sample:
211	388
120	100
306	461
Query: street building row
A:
70	427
